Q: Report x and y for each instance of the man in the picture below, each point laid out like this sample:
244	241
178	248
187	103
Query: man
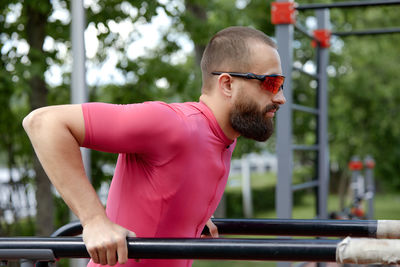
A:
173	159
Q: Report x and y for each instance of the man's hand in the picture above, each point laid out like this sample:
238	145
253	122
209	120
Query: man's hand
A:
212	228
106	241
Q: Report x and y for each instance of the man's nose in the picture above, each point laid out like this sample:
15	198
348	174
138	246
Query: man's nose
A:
279	98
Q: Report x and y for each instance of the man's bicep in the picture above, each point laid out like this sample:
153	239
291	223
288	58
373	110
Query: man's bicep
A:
71	117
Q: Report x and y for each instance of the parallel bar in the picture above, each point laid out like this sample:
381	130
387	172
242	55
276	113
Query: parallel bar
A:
287	227
305	109
304	31
305	147
367	32
305	72
306	185
298	227
147	248
349	4
358	251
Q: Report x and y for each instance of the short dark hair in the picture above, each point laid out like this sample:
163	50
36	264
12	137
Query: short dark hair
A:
229	50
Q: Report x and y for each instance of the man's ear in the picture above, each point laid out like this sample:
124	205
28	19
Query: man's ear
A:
225	84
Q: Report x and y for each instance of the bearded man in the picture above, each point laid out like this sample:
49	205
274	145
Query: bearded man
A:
174	158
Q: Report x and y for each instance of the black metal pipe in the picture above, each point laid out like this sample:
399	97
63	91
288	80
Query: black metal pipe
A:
149	248
349	4
290	227
274	227
70	229
367	32
304	31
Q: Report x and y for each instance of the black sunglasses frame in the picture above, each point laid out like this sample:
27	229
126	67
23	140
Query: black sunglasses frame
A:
249	75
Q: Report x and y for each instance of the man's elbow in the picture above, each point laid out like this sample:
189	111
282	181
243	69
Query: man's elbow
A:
34	121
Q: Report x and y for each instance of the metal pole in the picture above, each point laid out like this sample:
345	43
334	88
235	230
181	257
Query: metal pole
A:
283	192
287	227
283	197
369	177
246	188
367	32
341	251
303	227
323	154
79	92
349	4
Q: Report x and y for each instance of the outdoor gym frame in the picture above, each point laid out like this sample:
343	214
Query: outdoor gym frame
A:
284	17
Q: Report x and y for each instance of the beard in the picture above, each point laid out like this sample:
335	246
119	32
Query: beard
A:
249	121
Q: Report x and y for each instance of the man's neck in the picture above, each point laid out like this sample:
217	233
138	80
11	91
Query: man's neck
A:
221	114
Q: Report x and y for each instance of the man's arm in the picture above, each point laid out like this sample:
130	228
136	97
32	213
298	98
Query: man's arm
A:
56	134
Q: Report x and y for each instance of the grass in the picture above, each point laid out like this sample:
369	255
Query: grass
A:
386	206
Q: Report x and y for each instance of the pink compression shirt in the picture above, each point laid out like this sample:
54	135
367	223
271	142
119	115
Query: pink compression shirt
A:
171	171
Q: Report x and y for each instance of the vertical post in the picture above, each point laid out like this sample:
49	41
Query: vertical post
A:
283	195
323	150
246	188
79	93
369	177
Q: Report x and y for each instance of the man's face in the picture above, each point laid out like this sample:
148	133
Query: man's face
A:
251	120
253	108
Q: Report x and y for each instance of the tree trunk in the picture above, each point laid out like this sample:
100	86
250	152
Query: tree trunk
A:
36	33
201	15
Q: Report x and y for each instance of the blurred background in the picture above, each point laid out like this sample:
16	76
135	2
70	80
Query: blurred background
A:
150	50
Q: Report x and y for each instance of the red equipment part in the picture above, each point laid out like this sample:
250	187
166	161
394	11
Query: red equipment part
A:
283	13
323	37
355	165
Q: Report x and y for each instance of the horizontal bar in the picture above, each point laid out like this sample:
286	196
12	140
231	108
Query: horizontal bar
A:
358	251
31	254
349	4
291	227
299	227
305	147
312	75
367	32
305	109
304	31
305	185
190	248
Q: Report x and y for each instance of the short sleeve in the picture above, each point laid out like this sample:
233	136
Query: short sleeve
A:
148	128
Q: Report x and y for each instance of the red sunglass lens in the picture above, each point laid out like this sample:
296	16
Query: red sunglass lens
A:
273	83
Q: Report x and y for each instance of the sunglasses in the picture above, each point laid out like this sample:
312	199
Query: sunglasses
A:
272	83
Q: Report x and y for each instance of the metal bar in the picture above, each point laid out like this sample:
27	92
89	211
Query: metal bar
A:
304	31
305	109
313	75
285	227
297	187
349	4
70	229
322	105
367	32
283	196
292	227
317	250
305	147
246	188
148	248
